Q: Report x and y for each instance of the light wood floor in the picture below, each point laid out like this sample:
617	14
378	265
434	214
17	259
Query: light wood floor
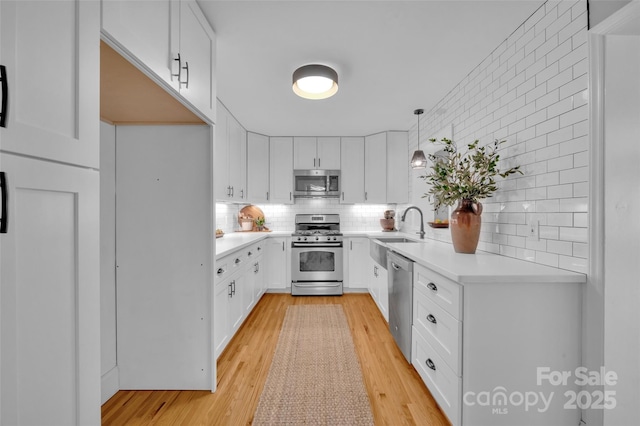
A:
398	396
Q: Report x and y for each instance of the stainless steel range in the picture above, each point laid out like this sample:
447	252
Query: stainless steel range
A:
316	255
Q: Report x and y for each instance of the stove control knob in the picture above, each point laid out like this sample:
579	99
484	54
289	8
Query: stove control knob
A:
305	238
317	238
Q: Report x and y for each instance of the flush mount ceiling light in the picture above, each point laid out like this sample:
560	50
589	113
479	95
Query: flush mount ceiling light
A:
418	161
315	82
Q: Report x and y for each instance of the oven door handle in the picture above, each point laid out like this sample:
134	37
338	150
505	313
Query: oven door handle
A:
318	245
317	284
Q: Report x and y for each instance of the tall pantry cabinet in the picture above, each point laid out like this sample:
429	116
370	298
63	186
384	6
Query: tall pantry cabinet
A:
164	201
49	255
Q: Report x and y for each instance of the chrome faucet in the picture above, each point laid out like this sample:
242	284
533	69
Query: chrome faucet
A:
421	220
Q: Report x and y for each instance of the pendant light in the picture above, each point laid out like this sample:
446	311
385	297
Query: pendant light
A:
315	81
418	161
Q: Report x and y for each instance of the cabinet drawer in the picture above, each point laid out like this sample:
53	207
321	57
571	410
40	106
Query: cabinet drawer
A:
254	250
442	382
439	328
228	265
444	292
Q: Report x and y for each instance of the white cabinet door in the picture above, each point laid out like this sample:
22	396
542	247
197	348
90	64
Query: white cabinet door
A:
257	168
147	30
304	153
164	251
375	168
352	170
328	153
237	159
383	292
51	54
221	156
221	327
259	278
278	262
50	294
357	254
281	170
397	167
198	56
236	306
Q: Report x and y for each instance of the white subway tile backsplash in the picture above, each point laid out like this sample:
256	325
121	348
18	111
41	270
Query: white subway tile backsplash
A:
578	235
560	191
531	91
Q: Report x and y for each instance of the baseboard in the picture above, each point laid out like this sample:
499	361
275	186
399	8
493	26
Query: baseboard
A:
356	290
110	384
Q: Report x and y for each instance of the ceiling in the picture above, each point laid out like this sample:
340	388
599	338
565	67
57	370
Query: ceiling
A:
391	57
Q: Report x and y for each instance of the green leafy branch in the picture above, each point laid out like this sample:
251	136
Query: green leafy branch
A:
470	175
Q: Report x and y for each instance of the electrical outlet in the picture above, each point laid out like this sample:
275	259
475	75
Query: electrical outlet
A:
534	230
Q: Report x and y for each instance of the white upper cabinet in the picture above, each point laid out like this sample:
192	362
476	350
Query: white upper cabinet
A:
281	170
52	74
316	153
304	153
171	41
257	168
146	30
397	167
352	170
230	158
197	59
375	168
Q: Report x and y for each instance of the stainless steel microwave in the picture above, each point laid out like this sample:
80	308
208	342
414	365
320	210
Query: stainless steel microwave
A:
316	183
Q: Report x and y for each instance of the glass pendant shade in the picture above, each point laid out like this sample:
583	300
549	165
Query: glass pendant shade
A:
418	161
315	82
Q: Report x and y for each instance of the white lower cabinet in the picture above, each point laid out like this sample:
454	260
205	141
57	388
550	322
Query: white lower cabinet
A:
379	287
278	260
356	255
478	348
239	284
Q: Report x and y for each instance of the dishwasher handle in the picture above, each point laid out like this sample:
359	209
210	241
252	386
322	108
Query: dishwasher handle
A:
398	262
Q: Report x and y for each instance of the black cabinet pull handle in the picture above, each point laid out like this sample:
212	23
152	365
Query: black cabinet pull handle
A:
5	215
5	96
220	271
186	68
249	254
432	319
237	260
430	364
432	286
230	293
259	248
179	67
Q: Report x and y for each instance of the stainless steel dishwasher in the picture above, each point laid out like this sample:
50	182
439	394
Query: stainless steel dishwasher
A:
400	300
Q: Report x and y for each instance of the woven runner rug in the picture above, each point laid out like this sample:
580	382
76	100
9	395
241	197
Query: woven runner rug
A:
315	377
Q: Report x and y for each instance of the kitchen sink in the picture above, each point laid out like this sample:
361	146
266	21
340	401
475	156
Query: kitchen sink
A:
396	240
378	248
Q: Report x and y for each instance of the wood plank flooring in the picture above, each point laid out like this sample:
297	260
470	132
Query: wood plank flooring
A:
397	394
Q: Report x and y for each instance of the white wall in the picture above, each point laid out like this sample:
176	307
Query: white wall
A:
621	225
108	362
532	92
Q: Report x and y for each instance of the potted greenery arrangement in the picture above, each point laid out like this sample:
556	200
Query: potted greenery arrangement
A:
259	223
464	178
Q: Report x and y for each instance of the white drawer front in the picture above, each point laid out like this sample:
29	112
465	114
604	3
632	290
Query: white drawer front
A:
440	329
442	382
446	293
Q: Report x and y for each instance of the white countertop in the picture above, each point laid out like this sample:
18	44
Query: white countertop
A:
233	241
481	267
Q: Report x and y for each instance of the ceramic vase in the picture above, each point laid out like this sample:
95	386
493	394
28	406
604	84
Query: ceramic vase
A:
465	226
